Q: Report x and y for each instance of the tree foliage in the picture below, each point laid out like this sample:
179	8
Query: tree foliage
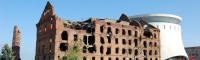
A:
6	53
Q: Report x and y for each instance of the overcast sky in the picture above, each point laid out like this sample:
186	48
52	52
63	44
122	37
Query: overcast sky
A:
26	14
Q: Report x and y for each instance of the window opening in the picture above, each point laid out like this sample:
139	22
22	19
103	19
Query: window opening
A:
136	52
64	35
102	58
123	32
117	58
145	52
101	29
155	52
129	42
101	49
123	51
117	50
150	44
145	44
109	31
145	58
63	46
129	32
123	41
130	51
91	40
93	58
109	58
116	30
109	39
75	37
155	36
84	49
92	49
150	52
136	33
102	40
155	44
116	40
136	42
85	39
108	51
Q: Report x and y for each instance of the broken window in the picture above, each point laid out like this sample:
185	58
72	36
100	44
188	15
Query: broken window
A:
64	35
156	59
117	50
123	41
155	36
109	39
150	58
101	28
130	51
102	40
92	49
108	23
93	58
129	42
109	31
123	51
123	32
91	40
101	49
75	37
136	33
124	58
85	39
93	29
90	29
145	52
117	58
108	51
136	59
84	58
155	44
84	49
136	42
136	52
145	44
63	46
130	58
150	52
150	44
116	30
129	32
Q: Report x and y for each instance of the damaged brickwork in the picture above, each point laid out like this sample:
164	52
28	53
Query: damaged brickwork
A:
95	39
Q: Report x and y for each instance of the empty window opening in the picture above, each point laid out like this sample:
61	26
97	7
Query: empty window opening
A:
124	58
147	33
75	37
89	29
123	51
101	49
102	58
116	40
84	49
108	23
136	42
117	58
150	58
63	46
136	33
123	41
102	40
116	30
64	35
129	42
156	59
91	40
145	44
85	39
130	58
109	39
155	52
155	44
101	29
145	52
108	51
136	52
130	51
136	59
123	32
109	31
155	36
93	29
145	58
150	52
84	58
92	49
93	58
109	58
117	50
43	46
150	44
129	32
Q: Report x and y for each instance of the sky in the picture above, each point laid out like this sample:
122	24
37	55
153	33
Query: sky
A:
26	14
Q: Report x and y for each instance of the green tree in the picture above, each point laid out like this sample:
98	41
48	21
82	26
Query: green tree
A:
6	53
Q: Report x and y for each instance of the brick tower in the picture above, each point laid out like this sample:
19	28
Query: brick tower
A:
16	43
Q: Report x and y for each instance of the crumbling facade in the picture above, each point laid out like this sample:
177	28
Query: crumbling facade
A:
16	43
95	39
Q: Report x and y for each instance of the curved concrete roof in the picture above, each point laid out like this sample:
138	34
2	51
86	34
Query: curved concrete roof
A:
158	18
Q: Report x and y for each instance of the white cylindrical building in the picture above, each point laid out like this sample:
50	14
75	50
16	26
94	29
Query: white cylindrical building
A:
170	34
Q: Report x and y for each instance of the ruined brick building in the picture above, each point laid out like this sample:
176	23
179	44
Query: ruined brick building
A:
95	39
16	43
